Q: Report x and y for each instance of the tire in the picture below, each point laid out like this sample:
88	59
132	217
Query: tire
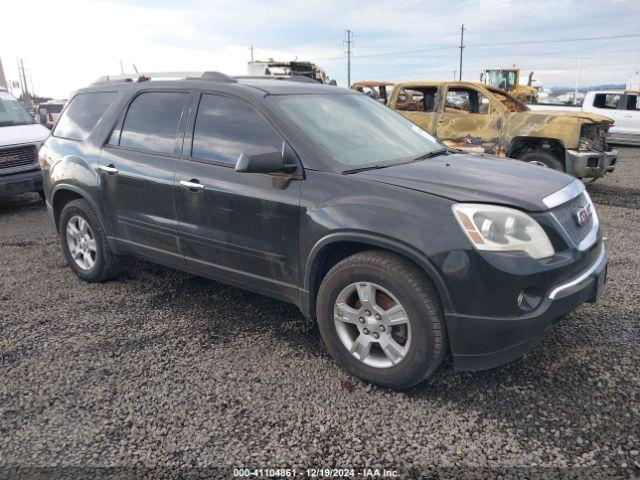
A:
541	157
98	263
395	279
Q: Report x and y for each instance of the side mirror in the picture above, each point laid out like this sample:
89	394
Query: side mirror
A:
268	160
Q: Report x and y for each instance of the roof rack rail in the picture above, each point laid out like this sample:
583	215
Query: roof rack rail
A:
146	76
291	78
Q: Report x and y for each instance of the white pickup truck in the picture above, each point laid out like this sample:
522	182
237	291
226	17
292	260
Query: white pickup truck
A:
20	140
623	107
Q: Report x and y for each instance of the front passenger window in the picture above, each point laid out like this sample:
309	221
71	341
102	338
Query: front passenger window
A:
225	127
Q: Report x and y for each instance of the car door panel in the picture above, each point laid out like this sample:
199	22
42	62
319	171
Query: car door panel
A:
469	131
138	175
238	227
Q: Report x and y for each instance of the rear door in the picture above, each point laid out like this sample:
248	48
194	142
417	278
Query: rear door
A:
418	104
138	166
241	228
469	121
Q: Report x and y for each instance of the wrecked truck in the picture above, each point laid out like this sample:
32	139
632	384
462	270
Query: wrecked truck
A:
477	118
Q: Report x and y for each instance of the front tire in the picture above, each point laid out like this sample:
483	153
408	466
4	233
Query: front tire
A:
84	243
542	158
381	320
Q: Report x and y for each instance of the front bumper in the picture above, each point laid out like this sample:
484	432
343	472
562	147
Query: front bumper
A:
479	343
23	182
590	164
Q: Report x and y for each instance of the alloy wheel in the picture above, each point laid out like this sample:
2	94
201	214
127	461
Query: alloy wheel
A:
81	243
372	324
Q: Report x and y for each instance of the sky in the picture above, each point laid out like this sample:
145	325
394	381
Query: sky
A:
67	44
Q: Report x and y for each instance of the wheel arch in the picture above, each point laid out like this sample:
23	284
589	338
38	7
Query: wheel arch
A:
521	144
65	193
336	246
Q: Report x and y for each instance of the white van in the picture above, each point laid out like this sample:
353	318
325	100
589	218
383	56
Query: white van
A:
20	140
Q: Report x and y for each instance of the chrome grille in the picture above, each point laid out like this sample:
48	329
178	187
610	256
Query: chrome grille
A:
18	158
566	216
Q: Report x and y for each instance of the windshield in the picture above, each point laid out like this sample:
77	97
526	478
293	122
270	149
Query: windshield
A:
356	131
11	112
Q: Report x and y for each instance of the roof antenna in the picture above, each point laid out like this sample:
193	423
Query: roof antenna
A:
141	78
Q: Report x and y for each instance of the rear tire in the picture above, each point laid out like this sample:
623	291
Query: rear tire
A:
85	245
540	157
397	285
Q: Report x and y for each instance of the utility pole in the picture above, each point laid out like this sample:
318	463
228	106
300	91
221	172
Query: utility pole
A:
3	79
454	74
121	67
26	99
349	43
461	48
575	92
251	48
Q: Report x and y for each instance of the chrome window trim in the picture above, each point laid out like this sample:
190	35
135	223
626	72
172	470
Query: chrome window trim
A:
581	278
563	195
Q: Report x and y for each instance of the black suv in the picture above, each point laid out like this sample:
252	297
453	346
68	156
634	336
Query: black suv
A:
401	249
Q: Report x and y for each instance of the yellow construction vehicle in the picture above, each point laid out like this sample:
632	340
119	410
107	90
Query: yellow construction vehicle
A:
508	80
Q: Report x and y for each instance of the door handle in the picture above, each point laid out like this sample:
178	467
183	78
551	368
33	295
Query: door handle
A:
627	115
192	184
110	169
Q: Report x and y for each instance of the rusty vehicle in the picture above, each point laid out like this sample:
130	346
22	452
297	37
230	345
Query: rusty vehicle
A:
508	80
480	119
379	91
287	69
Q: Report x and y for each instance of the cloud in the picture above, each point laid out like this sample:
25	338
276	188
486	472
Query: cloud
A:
79	41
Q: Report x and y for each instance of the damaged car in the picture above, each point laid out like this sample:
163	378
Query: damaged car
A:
481	119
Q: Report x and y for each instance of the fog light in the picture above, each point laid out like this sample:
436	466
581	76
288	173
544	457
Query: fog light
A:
528	300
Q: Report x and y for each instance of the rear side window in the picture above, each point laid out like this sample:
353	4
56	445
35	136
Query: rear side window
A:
152	121
632	102
82	114
225	127
606	100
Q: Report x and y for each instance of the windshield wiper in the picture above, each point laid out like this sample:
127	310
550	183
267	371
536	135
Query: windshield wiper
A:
434	153
368	167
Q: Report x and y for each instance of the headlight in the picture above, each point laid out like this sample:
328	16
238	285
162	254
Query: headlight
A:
503	229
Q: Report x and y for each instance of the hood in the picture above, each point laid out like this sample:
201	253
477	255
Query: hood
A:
32	133
476	178
583	116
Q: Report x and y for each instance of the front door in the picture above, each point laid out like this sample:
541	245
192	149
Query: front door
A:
469	122
137	169
238	227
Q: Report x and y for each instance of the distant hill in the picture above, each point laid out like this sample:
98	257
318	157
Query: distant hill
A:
606	86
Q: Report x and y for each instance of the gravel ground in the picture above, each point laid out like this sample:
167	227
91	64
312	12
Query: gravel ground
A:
162	369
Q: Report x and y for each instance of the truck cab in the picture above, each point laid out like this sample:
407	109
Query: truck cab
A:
623	107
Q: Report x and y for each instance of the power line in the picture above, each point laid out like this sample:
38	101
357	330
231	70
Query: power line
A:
557	26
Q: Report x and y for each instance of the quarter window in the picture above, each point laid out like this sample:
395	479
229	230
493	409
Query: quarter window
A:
82	115
225	127
152	121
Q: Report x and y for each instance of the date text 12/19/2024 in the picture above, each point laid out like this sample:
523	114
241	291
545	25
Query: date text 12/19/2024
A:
315	472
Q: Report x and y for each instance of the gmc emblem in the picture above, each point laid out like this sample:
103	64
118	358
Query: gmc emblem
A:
9	159
581	215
